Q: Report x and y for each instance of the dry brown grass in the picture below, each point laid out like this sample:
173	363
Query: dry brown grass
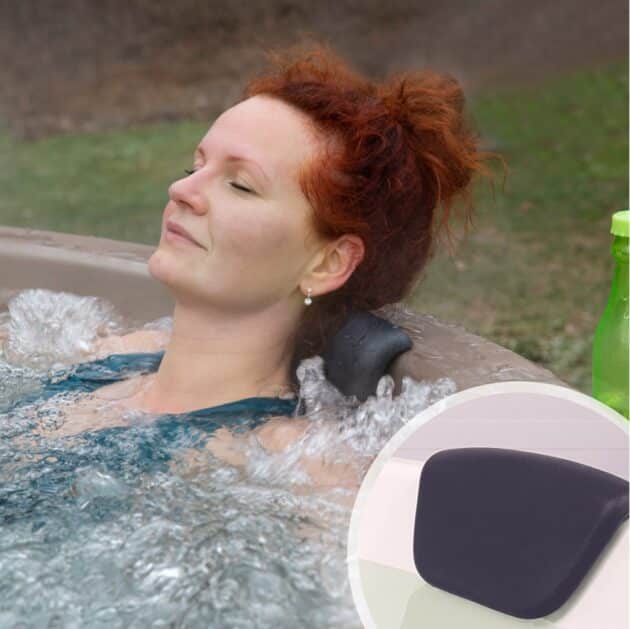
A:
75	65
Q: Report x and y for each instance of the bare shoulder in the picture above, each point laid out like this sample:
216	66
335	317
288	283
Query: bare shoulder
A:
139	341
276	434
279	432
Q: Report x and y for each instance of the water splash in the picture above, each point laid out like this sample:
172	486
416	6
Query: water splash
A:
48	330
123	528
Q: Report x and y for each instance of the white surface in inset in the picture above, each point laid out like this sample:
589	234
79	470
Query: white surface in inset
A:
400	601
522	421
391	512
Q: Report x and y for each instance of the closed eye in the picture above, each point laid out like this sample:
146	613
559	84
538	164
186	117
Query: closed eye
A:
242	188
232	183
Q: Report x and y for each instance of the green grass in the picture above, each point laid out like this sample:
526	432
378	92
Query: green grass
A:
534	273
108	184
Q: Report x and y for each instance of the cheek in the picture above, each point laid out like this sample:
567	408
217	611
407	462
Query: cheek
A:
251	239
263	246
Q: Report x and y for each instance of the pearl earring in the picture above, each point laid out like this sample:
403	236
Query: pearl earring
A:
307	300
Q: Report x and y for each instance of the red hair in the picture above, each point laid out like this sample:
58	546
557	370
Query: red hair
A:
394	153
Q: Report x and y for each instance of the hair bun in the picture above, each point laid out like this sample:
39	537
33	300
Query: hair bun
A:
422	93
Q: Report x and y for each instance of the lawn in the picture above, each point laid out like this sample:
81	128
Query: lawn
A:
534	272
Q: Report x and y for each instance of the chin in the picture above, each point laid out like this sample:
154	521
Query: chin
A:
163	266
160	267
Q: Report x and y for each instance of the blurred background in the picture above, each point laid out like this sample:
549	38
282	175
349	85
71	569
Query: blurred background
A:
102	104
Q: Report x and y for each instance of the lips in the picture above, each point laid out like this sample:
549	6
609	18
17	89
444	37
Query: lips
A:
178	229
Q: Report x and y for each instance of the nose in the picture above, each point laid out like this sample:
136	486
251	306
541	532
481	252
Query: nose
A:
187	193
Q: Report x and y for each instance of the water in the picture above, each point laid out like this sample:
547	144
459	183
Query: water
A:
139	527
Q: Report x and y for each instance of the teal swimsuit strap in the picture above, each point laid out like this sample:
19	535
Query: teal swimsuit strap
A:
90	376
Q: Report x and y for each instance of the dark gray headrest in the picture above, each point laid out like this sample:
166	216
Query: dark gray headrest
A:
361	351
515	531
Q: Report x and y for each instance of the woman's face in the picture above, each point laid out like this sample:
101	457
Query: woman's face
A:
245	209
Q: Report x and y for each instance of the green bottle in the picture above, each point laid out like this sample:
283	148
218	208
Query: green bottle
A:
610	343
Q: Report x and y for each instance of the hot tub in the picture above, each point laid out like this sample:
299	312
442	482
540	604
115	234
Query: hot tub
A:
223	547
117	271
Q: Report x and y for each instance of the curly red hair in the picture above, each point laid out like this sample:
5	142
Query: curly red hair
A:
396	153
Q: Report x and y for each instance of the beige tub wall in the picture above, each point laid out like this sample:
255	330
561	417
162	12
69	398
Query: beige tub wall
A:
117	271
83	265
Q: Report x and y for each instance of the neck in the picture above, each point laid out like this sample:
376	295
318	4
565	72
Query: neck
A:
213	358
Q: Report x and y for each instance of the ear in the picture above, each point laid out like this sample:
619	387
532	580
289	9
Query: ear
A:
334	264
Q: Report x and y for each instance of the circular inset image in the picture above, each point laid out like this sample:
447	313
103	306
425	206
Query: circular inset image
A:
504	505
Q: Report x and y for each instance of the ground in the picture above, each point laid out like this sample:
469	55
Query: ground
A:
103	102
76	65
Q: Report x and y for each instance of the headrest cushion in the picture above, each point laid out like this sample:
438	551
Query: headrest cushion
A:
515	531
359	354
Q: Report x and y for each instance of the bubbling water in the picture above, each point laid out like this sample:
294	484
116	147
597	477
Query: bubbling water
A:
137	527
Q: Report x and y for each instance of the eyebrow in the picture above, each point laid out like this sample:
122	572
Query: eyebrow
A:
240	158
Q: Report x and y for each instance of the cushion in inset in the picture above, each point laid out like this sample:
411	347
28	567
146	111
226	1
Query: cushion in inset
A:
515	531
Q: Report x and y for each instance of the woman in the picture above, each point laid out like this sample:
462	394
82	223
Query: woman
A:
316	192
